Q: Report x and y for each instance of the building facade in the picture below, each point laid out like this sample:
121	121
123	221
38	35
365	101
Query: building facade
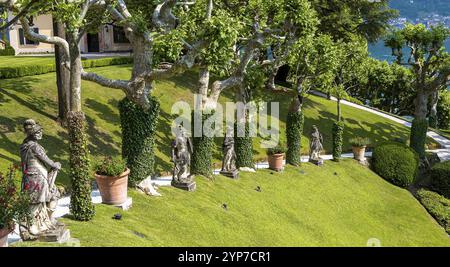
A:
109	38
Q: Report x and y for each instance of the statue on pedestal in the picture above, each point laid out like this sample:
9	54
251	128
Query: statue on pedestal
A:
229	157
39	175
181	156
316	147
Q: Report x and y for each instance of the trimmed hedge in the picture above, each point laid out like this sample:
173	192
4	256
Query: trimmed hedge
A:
8	51
338	140
440	178
30	70
244	148
138	138
396	163
81	205
438	206
201	162
418	136
294	131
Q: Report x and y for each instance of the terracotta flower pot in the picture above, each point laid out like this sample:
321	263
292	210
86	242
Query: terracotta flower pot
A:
276	162
4	236
359	153
113	189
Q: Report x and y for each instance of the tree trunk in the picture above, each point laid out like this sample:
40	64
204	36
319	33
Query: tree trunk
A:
62	75
420	125
294	131
243	141
339	112
75	72
433	110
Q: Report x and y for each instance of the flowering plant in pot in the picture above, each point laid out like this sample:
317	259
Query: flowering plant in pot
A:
14	205
111	175
359	145
276	157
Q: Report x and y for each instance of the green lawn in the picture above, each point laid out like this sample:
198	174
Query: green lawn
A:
313	208
310	206
35	97
15	61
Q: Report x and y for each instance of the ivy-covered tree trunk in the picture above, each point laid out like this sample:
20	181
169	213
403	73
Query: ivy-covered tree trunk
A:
294	131
201	161
243	147
81	205
338	140
243	141
420	124
138	138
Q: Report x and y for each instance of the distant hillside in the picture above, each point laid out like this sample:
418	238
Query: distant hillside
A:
418	8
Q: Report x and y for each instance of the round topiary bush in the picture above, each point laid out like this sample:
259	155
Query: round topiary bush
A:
440	178
396	163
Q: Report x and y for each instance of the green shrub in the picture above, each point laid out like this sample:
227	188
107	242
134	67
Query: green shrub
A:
359	141
338	140
138	138
110	166
354	100
30	70
440	178
438	206
279	149
443	111
294	132
244	148
8	51
14	205
81	205
419	136
396	163
201	162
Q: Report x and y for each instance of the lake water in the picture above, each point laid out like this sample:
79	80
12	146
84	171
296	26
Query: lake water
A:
379	51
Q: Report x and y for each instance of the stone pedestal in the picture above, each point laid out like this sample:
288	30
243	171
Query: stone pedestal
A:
60	235
232	174
188	186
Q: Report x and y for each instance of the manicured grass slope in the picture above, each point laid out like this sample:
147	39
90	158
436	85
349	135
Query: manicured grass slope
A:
36	97
314	208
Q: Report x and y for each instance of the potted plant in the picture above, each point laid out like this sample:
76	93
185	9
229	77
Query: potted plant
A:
111	175
14	205
359	145
276	157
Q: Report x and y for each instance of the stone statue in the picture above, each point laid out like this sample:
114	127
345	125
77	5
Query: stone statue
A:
316	147
229	157
39	175
181	156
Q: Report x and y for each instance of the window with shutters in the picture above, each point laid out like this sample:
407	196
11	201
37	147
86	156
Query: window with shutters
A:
119	36
24	41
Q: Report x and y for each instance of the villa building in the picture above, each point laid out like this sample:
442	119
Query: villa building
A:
109	38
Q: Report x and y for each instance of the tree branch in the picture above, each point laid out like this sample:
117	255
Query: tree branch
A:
49	40
116	84
22	13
